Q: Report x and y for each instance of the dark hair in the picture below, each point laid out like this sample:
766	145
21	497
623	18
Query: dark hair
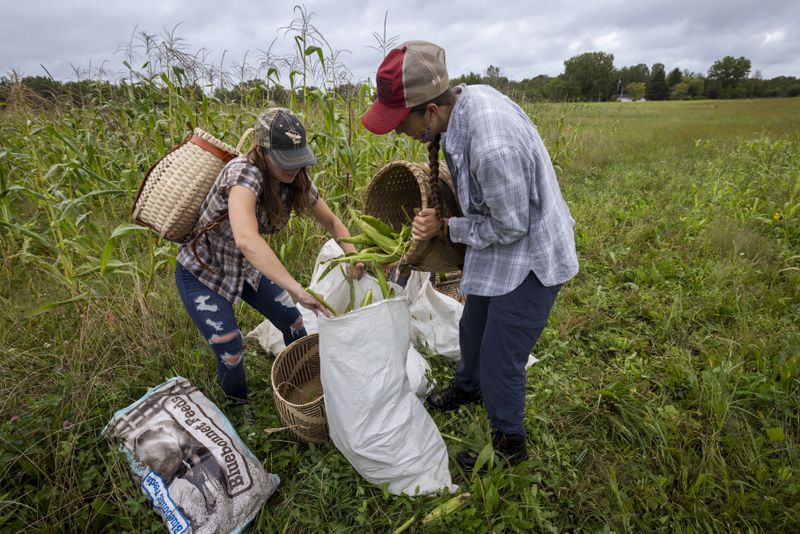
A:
448	98
298	199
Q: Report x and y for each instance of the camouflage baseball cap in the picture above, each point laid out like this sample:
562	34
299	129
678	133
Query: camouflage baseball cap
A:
282	133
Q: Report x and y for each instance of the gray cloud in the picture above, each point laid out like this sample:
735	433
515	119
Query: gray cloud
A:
523	38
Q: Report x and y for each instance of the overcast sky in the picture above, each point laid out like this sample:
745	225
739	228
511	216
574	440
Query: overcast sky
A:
523	38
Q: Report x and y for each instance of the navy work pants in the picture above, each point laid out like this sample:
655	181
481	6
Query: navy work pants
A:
497	334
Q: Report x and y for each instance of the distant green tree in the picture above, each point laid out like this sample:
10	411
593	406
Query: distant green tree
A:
675	77
696	86
755	87
657	84
635	73
782	86
44	87
593	74
636	90
473	78
495	78
535	88
493	73
727	74
558	89
680	91
729	70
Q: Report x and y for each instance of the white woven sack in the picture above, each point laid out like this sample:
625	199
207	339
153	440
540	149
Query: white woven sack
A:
434	317
335	289
374	418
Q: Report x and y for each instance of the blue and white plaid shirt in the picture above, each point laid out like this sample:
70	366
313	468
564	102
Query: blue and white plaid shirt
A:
514	218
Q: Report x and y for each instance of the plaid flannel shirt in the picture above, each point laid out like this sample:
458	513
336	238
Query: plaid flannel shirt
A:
514	218
218	263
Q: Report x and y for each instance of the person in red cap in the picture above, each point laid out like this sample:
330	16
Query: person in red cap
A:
518	231
225	258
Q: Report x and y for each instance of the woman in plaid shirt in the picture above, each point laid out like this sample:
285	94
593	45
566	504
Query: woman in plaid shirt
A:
226	260
515	223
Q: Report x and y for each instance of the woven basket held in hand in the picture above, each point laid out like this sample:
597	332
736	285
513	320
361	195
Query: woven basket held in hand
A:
297	389
173	189
397	192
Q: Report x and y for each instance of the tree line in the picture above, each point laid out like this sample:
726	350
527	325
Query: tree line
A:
588	77
592	77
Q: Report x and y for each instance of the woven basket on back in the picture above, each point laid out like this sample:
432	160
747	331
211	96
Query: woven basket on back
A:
173	189
297	389
401	188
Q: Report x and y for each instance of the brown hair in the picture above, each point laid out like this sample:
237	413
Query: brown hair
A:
298	199
448	98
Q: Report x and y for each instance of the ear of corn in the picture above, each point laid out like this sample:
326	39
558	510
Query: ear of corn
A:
386	290
381	244
447	508
327	270
378	224
360	239
367	300
386	242
321	300
369	257
351	303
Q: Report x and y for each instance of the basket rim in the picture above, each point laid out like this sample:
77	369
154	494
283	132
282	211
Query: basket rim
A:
420	254
215	141
417	248
276	387
414	167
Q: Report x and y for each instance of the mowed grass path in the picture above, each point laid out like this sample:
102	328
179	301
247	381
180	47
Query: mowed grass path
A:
667	397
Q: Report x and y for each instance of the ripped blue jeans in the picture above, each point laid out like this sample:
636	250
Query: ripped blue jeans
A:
213	315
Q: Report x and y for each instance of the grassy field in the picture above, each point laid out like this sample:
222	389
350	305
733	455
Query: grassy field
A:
667	397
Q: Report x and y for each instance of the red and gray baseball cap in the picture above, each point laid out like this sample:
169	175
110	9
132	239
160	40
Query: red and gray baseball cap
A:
282	133
411	74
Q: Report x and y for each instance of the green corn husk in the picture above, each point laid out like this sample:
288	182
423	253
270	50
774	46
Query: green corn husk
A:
322	301
443	510
387	243
386	290
447	508
378	224
360	239
367	300
368	257
351	303
379	245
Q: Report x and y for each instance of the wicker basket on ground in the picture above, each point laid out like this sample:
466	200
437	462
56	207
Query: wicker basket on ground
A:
297	389
450	287
400	189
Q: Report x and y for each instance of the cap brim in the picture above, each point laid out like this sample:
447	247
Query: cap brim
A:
293	158
381	119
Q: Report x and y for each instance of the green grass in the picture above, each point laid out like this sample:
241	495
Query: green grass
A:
667	397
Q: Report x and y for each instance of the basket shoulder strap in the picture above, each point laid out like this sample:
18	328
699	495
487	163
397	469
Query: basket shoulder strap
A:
242	140
224	155
199	231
